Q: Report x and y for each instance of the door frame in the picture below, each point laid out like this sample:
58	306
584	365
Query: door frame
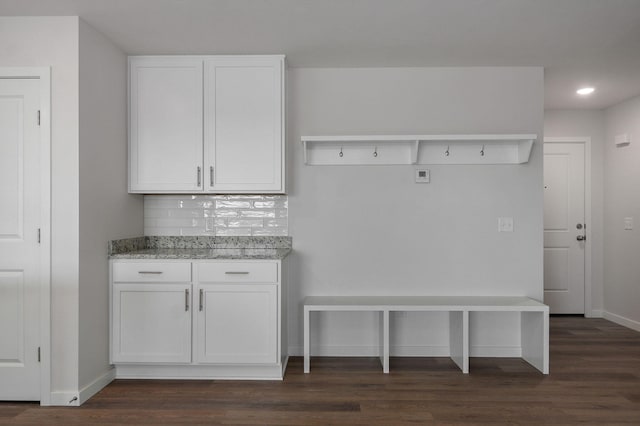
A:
586	141
43	74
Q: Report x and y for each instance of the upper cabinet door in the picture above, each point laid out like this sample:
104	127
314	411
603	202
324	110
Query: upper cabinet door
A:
165	127
244	126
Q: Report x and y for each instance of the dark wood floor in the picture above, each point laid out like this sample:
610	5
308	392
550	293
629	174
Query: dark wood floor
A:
595	379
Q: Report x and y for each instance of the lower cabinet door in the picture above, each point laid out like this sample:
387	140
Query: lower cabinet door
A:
151	323
237	324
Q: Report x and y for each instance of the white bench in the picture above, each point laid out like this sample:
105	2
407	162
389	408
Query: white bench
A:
534	321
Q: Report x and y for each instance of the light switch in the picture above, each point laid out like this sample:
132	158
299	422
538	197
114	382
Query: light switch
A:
505	224
628	223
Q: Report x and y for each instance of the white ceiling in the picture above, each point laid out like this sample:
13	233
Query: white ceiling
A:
595	42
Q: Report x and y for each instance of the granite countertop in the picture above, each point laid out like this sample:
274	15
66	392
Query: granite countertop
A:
199	253
200	248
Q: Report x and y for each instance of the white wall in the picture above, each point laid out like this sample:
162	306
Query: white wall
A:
107	211
89	201
587	123
371	230
622	199
53	41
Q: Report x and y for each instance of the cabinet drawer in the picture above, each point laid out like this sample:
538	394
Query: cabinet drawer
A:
245	272
152	272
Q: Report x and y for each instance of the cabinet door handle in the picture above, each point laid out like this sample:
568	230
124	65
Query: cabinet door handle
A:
237	273
186	300
150	272
201	302
211	176
199	179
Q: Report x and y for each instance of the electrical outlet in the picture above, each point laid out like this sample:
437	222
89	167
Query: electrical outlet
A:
628	223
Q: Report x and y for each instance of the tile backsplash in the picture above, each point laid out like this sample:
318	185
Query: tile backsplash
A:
187	215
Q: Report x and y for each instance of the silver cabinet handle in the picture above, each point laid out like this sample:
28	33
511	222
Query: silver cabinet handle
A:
236	273
201	301
150	272
199	179
211	176
186	300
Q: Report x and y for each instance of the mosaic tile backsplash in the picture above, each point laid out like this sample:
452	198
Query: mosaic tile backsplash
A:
224	215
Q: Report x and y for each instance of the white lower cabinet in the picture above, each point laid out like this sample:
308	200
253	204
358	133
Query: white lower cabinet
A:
152	323
237	323
197	319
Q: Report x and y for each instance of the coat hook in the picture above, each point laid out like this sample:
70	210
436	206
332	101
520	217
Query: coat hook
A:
447	151
341	154
482	151
375	151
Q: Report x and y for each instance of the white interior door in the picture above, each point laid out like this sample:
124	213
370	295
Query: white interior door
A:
19	251
564	227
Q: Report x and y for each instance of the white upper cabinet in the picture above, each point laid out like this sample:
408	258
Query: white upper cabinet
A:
212	124
165	126
243	124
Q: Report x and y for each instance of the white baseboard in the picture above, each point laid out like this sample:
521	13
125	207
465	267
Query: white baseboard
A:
64	399
337	350
408	351
627	322
495	351
435	351
75	399
96	386
201	372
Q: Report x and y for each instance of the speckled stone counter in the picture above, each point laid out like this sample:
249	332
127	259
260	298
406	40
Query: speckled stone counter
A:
200	248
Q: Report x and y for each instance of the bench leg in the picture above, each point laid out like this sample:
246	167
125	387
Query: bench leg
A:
384	340
459	339
534	335
307	361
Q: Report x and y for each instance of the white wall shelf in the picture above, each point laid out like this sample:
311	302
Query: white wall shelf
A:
417	149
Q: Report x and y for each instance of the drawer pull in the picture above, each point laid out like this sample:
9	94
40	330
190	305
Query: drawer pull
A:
201	301
150	272
186	300
237	273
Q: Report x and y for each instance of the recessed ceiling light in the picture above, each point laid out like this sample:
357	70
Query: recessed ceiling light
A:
585	91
